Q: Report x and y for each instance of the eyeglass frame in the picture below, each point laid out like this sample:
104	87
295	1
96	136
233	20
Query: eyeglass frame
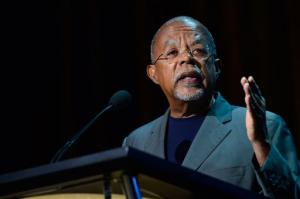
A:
186	51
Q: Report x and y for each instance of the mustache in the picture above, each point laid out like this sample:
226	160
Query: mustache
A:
193	73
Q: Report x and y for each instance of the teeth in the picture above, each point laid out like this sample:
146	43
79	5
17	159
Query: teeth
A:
190	77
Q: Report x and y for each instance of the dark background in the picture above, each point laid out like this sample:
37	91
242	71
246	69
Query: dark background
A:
62	60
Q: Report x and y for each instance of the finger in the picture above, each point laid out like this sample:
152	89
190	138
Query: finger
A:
254	87
256	93
257	99
246	89
243	80
257	103
257	110
245	85
252	80
253	100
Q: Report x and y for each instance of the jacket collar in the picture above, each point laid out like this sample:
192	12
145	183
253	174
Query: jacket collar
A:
211	134
221	109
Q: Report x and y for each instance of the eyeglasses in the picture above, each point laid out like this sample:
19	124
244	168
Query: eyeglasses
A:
171	56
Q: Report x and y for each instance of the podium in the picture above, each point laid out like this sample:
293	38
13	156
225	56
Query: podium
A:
116	173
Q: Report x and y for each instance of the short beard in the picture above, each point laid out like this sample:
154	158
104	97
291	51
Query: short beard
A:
189	97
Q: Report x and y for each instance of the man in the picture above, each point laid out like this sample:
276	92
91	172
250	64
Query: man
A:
249	147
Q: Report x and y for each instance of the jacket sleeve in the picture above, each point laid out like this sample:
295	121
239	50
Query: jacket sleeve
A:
124	143
279	176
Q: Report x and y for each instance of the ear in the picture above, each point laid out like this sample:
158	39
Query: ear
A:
151	72
217	67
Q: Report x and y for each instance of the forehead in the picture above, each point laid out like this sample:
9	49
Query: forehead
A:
178	32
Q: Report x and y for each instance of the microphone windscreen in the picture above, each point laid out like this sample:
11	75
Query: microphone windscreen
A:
120	99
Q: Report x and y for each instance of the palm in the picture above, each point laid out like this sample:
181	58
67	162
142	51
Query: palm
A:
256	110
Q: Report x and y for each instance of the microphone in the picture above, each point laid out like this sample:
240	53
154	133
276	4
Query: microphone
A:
118	101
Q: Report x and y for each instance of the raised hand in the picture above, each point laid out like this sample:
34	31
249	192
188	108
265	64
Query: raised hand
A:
256	118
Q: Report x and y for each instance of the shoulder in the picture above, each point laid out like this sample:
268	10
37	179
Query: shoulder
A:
140	134
275	122
146	128
238	113
277	127
270	116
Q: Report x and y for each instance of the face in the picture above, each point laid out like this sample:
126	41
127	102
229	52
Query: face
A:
185	68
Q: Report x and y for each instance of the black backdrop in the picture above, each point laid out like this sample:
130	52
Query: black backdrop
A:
62	60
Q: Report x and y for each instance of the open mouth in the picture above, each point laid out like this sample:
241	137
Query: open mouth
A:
190	77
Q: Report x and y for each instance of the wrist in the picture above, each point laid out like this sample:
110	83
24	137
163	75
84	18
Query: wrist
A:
261	150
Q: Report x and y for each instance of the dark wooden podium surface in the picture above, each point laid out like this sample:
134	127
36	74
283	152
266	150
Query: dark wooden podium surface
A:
156	177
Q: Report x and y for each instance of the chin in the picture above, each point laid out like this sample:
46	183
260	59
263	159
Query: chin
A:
189	95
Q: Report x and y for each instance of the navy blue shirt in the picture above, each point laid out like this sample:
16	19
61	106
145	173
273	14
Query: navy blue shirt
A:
180	134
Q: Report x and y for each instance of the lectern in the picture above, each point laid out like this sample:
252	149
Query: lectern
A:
121	172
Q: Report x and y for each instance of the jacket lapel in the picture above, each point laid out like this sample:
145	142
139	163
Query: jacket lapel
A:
210	135
208	138
156	141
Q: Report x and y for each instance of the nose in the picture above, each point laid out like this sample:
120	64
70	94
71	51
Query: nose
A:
186	57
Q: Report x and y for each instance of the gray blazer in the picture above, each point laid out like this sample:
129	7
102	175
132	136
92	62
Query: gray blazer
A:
222	150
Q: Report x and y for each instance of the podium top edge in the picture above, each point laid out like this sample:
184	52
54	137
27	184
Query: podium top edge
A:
65	164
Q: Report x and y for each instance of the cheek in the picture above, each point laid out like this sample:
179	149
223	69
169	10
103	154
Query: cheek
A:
166	75
209	75
167	80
